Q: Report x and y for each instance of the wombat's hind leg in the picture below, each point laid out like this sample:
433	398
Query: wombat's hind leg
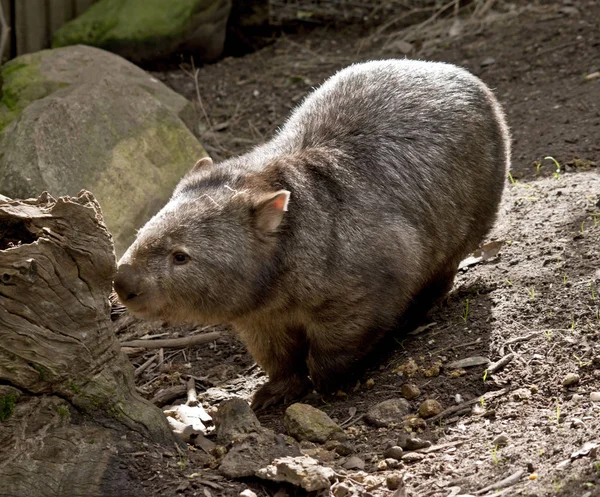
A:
331	360
281	354
430	295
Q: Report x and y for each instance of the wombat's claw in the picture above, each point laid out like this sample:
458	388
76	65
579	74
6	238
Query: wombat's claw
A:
279	392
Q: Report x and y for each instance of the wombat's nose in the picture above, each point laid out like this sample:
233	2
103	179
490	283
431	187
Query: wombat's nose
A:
126	283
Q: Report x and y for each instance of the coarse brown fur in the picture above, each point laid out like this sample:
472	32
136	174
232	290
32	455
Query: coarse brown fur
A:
394	171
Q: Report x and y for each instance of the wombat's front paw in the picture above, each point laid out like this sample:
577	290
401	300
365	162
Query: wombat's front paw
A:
284	391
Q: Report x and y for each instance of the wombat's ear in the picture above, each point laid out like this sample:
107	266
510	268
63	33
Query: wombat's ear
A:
201	164
269	210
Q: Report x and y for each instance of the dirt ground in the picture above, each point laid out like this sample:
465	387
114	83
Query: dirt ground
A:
538	299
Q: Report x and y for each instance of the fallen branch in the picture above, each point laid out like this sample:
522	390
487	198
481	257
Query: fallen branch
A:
145	366
501	364
173	343
507	482
518	339
165	396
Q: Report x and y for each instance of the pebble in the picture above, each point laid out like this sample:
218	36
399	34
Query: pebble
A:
305	422
469	362
392	463
302	471
382	466
595	396
429	408
570	380
341	489
410	391
343	449
458	398
247	493
388	412
577	423
488	61
520	394
395	452
393	481
235	419
354	462
413	457
412	443
501	440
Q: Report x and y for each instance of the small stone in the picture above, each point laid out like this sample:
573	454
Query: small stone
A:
571	380
577	423
501	440
304	422
530	467
393	481
370	383
255	451
388	412
354	462
234	419
344	449
300	471
595	396
520	394
414	423
341	489
392	463
429	408
488	61
395	452
247	493
410	391
468	362
577	398
382	466
412	443
458	398
413	457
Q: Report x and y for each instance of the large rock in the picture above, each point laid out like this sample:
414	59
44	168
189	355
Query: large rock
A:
143	30
81	118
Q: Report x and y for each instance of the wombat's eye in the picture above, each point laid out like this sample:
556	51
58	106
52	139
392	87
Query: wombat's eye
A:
180	258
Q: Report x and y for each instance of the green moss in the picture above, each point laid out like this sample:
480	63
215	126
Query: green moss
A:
7	405
109	23
63	411
22	83
43	372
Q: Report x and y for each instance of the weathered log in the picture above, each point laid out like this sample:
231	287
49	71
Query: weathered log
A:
68	406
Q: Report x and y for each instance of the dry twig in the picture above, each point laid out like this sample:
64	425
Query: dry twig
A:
173	343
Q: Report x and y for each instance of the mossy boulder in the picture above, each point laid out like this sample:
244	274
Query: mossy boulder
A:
143	30
81	118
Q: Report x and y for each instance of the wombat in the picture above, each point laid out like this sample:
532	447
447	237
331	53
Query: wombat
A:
356	214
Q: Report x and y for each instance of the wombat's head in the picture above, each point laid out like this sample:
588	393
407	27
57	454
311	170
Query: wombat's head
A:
208	255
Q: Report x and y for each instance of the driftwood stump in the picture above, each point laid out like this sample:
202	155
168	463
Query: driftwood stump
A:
68	406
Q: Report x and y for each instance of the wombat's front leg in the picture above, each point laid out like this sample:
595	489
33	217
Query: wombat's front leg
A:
282	355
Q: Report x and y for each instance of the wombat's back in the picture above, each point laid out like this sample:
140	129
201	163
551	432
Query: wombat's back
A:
424	142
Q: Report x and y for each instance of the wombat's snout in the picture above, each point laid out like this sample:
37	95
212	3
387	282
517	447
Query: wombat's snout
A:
126	283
